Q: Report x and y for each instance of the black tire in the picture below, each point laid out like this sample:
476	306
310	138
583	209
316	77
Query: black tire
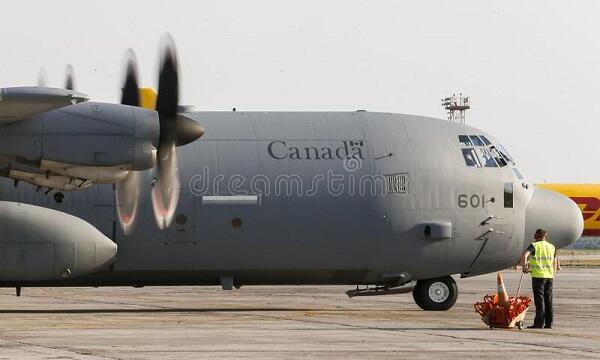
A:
520	325
438	294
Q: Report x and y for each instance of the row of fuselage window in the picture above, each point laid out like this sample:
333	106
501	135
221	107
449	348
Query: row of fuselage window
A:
478	151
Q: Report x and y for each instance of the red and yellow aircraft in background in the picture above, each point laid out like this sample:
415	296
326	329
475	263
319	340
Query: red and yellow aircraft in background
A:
587	196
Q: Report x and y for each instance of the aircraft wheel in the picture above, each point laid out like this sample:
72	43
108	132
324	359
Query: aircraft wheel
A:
436	294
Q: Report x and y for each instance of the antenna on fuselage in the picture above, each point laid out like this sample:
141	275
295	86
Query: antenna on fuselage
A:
456	107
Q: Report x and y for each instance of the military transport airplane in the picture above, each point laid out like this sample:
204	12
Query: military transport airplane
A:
99	194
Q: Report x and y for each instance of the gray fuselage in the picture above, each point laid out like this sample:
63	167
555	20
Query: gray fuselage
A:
317	198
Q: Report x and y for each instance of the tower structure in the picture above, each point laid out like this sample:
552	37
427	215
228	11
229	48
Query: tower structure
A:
456	107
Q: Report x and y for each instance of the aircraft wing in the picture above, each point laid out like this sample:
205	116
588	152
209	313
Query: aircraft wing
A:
19	103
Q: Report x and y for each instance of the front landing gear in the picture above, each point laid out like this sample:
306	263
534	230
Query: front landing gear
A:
436	294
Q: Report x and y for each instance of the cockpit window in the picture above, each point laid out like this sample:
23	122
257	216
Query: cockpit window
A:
471	158
476	140
464	140
498	157
505	154
485	140
478	151
486	157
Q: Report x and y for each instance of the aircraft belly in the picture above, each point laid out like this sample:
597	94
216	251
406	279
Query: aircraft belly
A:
298	237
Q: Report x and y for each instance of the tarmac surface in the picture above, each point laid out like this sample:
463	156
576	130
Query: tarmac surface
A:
307	322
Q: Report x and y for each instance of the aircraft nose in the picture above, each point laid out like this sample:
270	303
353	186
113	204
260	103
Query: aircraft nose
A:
555	213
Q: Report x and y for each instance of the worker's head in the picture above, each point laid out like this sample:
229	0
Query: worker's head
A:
540	234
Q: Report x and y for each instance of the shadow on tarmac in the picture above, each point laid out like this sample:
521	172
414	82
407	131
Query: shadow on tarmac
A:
136	311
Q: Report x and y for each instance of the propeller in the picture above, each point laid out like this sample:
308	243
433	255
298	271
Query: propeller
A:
42	78
175	130
127	192
165	192
70	78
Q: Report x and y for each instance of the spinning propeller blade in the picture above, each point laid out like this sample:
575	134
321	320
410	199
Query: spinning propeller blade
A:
175	130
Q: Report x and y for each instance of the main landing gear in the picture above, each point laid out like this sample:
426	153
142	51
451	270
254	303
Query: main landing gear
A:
436	294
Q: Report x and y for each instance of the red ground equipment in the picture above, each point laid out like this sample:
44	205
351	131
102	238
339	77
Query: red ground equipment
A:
502	315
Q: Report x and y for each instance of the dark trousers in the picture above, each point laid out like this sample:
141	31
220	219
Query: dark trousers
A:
542	296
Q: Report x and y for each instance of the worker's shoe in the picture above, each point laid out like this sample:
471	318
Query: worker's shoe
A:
534	326
548	327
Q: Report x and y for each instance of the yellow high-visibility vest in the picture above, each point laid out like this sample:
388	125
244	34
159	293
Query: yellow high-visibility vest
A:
541	264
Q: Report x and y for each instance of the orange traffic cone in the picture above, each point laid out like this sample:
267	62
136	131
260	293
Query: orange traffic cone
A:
502	294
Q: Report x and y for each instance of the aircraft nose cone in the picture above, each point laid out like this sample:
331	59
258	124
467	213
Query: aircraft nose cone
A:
555	213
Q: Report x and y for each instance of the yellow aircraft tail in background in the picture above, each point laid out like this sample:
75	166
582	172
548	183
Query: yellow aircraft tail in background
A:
148	98
587	196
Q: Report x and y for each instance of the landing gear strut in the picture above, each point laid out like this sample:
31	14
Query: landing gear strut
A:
436	294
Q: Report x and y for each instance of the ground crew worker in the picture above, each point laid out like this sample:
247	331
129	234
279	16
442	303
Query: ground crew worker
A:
540	261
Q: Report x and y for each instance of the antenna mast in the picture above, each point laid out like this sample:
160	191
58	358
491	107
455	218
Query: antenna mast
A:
456	107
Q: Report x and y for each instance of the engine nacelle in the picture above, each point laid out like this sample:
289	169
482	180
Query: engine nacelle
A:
79	137
58	182
38	244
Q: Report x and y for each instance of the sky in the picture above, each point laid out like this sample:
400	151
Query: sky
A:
531	68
